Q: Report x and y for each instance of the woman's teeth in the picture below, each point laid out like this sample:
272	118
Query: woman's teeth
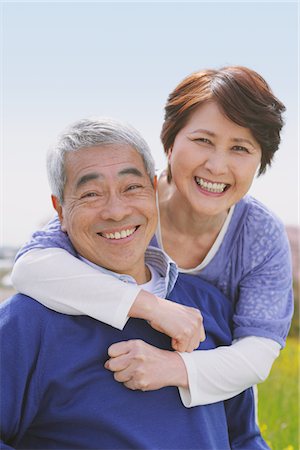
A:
119	234
210	187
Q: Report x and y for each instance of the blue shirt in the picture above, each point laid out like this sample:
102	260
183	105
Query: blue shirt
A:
55	392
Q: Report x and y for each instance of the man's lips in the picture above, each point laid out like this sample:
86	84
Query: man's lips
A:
119	234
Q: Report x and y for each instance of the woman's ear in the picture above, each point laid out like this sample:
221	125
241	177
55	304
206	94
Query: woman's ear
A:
169	173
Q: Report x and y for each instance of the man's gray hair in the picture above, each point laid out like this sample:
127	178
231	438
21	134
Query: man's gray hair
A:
89	133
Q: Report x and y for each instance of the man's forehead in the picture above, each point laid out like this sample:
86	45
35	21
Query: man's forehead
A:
97	162
105	156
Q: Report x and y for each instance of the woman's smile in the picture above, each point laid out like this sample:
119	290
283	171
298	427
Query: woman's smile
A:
211	186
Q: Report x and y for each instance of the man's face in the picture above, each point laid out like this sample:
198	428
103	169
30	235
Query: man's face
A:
109	209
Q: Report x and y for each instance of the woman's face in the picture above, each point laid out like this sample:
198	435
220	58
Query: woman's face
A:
213	161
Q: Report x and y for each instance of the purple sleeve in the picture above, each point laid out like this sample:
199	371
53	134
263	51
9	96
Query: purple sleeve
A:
265	304
49	236
253	269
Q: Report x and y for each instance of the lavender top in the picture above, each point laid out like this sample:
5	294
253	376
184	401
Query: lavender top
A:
252	267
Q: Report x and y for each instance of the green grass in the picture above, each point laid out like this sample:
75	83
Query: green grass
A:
279	400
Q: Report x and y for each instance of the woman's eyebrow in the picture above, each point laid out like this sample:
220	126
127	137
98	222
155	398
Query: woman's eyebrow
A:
202	130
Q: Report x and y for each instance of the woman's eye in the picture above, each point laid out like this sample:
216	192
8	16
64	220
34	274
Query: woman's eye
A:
204	140
240	148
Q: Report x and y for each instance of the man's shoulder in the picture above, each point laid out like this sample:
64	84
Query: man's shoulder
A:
194	283
192	290
20	307
216	309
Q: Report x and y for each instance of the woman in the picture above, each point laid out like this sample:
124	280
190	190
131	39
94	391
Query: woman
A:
221	128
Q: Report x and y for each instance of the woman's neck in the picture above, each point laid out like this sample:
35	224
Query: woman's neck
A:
177	214
186	236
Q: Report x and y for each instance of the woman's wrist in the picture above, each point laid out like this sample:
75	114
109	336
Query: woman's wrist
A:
144	305
179	371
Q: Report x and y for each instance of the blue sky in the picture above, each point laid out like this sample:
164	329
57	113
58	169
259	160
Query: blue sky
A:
62	61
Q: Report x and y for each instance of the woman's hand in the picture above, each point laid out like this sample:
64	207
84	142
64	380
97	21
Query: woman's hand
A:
139	365
183	324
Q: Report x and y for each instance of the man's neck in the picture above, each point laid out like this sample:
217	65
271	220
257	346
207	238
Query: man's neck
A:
141	276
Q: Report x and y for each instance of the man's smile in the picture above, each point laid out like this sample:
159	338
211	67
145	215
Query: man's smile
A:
119	234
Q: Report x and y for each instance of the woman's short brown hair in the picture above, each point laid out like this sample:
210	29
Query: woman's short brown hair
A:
243	96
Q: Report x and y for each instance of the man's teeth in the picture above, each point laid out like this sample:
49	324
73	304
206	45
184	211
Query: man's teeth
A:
119	234
211	187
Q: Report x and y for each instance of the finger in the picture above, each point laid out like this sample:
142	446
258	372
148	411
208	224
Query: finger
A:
203	335
119	348
202	331
195	343
131	385
174	344
134	385
185	346
197	337
180	345
200	337
118	363
123	376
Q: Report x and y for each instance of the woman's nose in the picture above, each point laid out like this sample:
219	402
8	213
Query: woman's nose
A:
217	162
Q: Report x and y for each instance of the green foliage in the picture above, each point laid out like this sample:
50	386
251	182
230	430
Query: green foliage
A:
279	400
295	327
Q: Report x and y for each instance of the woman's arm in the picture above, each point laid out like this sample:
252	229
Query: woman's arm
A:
224	372
66	284
202	377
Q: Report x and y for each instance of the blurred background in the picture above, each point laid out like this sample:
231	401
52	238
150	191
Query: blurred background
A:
62	61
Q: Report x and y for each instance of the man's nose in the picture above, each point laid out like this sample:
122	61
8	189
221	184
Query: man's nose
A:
115	208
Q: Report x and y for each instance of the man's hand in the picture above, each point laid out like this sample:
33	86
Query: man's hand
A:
182	323
139	365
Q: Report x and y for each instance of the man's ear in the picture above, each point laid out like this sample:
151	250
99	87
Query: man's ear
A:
59	209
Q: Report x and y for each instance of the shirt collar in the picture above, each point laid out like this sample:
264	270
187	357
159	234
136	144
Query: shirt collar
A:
156	258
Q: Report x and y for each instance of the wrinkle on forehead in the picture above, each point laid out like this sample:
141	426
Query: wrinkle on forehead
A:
86	164
99	176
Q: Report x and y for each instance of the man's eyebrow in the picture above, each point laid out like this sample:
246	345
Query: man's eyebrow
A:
88	177
98	176
131	171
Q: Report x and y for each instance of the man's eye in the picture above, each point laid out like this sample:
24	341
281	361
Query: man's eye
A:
89	195
133	187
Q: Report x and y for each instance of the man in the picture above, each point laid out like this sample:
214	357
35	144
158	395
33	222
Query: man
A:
55	390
